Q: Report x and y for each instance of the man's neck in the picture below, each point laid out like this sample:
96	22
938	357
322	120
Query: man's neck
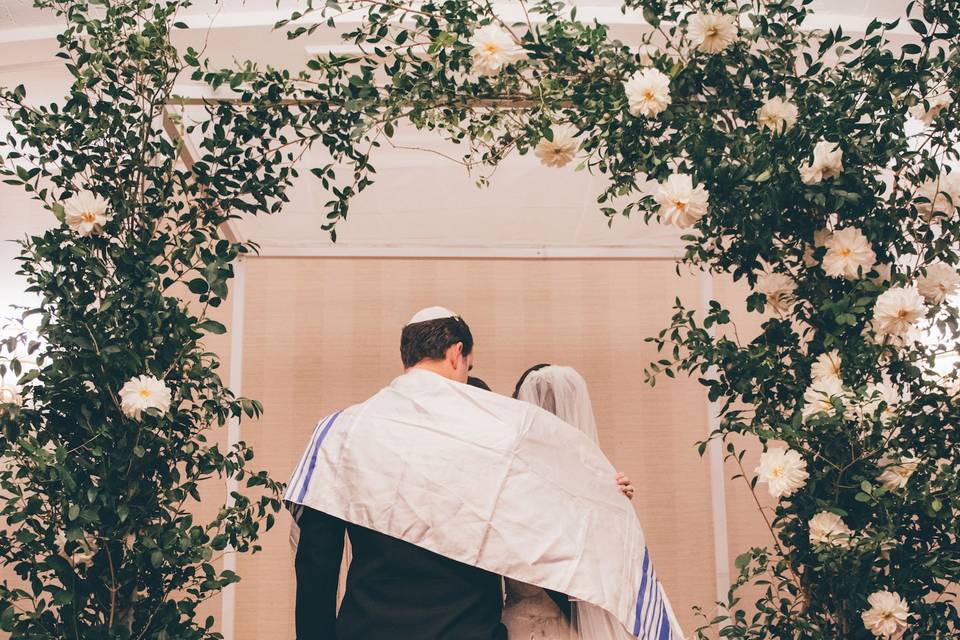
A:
438	367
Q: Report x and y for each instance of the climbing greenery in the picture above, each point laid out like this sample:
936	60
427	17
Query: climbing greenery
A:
812	166
103	533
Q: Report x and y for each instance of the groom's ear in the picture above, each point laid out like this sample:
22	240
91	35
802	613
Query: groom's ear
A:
454	353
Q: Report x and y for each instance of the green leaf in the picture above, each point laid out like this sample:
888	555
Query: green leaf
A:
212	326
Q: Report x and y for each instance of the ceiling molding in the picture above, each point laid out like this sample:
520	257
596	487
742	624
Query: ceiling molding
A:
664	251
511	12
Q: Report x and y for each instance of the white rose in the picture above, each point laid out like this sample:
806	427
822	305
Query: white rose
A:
86	213
941	195
827	163
777	115
940	281
897	310
937	104
712	32
819	396
561	150
887	615
827	366
10	395
849	254
493	49
779	288
144	392
681	203
896	473
829	528
784	471
648	92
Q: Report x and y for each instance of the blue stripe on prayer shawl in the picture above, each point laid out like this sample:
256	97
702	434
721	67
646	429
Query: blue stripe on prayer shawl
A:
665	631
298	472
316	451
643	586
657	616
653	602
652	621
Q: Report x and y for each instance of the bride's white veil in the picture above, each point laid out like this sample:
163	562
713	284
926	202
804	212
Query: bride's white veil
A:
563	392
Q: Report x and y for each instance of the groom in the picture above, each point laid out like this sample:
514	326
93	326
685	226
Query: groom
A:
442	488
396	589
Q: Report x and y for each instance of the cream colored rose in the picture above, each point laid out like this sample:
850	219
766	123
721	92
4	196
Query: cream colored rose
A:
712	32
681	203
827	163
897	311
86	213
819	397
142	393
784	471
896	473
648	92
10	395
849	254
887	616
829	528
561	150
779	289
940	281
777	115
941	196
493	49
937	104
827	366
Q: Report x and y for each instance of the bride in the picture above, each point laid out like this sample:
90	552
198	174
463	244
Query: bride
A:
531	613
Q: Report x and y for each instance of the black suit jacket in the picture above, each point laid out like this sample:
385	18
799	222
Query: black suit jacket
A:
395	590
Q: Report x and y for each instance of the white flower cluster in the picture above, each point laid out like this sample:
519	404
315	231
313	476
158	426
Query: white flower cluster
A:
142	393
783	470
779	289
896	312
712	32
561	150
493	49
849	254
777	115
887	616
648	92
827	163
938	283
86	213
681	202
829	528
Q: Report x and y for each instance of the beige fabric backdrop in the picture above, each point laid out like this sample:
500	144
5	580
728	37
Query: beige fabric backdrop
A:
321	333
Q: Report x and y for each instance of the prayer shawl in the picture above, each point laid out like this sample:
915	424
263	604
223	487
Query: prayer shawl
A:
491	482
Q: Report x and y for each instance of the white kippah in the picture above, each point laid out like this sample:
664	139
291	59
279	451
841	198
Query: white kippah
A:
431	313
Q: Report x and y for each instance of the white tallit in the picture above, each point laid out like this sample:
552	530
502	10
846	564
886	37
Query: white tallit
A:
491	482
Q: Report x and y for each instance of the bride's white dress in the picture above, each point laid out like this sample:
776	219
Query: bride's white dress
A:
530	614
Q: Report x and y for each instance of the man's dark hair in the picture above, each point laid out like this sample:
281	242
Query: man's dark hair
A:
430	340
